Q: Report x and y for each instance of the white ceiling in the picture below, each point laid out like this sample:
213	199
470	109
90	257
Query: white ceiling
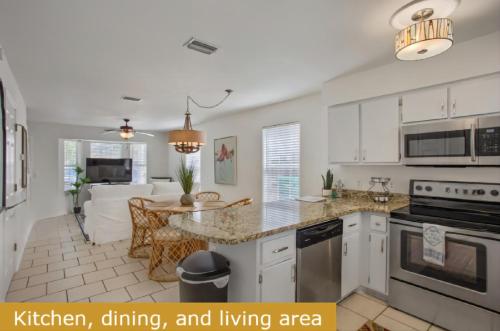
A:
74	59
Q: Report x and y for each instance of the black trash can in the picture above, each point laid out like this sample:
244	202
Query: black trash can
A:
204	277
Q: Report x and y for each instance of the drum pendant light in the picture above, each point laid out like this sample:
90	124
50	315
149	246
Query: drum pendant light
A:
187	140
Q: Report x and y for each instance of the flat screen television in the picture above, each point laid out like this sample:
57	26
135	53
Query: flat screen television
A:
109	170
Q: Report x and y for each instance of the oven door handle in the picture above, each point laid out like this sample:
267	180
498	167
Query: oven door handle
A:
462	231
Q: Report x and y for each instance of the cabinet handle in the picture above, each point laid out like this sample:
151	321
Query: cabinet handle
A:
377	223
364	155
442	108
351	225
382	246
454	106
279	250
355	155
345	249
293	273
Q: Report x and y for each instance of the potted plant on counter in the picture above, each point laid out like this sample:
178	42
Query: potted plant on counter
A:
77	189
185	175
327	183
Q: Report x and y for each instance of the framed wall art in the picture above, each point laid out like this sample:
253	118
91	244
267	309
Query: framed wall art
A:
225	151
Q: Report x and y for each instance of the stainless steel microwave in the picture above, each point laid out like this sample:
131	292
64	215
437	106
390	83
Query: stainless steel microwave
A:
458	142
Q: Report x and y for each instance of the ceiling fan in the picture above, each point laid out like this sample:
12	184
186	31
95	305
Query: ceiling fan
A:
127	132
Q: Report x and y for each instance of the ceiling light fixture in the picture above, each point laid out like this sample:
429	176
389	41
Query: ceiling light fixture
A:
188	140
425	30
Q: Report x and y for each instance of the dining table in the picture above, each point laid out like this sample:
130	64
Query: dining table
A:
174	206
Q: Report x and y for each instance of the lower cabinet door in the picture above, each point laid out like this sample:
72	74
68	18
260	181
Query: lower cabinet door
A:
277	282
378	262
350	263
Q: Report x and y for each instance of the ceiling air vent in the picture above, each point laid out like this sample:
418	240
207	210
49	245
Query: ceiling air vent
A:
127	98
200	46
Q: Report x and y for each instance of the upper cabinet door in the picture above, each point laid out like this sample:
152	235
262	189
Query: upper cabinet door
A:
380	130
343	134
477	96
425	105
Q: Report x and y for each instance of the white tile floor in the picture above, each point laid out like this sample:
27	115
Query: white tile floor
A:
358	308
58	266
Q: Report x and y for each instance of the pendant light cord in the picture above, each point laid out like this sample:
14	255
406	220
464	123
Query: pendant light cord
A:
189	98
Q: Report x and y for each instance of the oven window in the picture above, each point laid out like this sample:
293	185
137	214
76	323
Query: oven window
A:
465	263
438	144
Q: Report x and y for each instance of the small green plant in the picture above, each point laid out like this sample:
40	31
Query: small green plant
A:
185	175
77	188
328	180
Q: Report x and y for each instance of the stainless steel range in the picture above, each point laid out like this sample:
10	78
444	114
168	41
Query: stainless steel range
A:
464	294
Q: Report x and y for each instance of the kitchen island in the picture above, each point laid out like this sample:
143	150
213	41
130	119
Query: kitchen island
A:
259	239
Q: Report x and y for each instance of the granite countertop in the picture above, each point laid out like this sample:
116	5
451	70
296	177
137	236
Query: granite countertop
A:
240	224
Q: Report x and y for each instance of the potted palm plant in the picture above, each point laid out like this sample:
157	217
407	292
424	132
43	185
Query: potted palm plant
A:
185	175
327	183
77	189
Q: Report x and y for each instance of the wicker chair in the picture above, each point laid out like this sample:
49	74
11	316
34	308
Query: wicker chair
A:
141	234
240	203
207	196
169	247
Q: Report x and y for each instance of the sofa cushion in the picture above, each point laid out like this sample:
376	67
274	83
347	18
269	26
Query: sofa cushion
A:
167	188
100	192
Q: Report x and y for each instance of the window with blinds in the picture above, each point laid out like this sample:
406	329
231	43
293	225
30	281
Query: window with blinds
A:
107	150
194	160
139	155
71	161
281	162
73	156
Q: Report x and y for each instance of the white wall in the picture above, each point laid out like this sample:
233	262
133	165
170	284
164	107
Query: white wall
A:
15	223
476	57
247	126
48	197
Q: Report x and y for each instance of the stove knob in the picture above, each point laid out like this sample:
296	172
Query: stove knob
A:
447	190
465	191
418	188
428	188
480	192
494	193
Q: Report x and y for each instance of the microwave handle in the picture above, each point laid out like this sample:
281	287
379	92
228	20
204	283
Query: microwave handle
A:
473	142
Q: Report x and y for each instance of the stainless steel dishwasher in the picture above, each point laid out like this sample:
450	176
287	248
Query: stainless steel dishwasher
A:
319	262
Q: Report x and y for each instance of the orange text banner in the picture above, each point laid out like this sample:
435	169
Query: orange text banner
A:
168	316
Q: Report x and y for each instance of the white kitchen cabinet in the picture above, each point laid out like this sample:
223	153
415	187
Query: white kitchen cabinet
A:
476	96
378	262
350	263
425	105
380	130
343	134
262	269
277	282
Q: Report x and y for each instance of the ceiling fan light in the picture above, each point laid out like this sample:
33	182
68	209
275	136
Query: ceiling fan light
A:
127	134
424	39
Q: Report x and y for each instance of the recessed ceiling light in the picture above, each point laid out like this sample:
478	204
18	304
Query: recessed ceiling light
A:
200	46
128	98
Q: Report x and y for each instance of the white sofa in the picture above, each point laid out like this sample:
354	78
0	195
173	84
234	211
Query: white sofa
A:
107	216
